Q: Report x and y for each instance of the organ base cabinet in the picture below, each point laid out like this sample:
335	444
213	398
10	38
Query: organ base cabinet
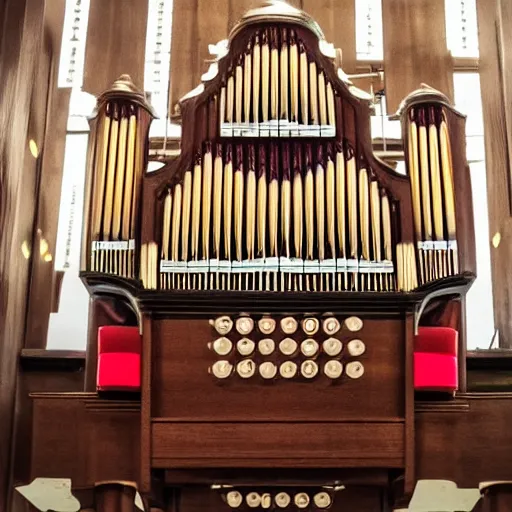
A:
292	328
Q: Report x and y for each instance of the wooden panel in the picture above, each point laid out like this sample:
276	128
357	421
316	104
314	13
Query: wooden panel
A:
337	19
504	38
116	36
466	447
184	389
43	370
44	279
19	52
212	26
116	438
415	49
56	445
497	167
65	427
277	444
185	65
52	141
237	8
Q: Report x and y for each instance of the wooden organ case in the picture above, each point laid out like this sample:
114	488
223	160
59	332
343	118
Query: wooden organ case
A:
278	272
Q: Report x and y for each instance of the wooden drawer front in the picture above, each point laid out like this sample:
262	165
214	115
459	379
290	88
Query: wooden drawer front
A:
180	445
183	388
84	438
204	499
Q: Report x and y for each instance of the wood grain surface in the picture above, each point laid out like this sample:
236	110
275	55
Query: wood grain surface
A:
277	444
415	50
497	162
20	51
184	390
457	445
116	33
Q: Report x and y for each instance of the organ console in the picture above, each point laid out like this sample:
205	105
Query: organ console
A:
278	273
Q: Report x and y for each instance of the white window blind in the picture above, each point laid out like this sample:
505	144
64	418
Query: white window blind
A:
68	328
158	58
369	42
462	28
74	35
480	310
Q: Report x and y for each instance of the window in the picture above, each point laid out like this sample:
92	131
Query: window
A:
74	34
381	126
479	309
462	28
369	42
157	66
68	328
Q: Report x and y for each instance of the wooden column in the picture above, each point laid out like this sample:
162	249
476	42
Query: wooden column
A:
185	65
495	82
51	137
115	497
496	498
116	43
415	50
337	19
20	49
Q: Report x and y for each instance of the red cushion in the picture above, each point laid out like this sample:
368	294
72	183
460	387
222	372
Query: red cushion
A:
118	372
442	340
117	338
435	372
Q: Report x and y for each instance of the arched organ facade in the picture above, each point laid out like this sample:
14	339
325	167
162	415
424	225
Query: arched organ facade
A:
277	187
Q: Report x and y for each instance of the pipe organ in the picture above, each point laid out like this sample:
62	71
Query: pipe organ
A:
118	157
277	188
282	279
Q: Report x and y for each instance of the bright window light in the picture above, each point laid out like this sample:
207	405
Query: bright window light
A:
74	35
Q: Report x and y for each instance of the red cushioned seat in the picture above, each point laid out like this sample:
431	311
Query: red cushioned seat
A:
119	350
435	359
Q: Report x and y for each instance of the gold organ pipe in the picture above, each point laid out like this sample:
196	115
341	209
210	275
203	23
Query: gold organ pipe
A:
130	169
304	83
251	203
284	74
256	63
120	174
298	209
207	198
286	200
274	59
101	170
247	82
309	207
228	201
330	202
196	207
294	77
262	200
265	75
273	199
217	199
320	202
238	198
341	198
